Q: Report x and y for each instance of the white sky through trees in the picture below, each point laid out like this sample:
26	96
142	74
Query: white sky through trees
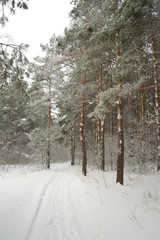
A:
37	24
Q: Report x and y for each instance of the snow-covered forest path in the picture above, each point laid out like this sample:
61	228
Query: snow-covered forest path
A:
55	217
62	204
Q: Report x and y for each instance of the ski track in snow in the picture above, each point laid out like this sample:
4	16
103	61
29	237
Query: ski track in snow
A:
54	215
38	209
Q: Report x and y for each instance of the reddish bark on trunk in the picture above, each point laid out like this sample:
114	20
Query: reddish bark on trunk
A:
120	160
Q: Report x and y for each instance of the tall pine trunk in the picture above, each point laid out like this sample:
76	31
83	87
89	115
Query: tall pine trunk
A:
156	102
142	118
102	150
102	128
73	147
82	129
149	126
120	160
143	130
111	135
111	122
98	127
49	128
131	126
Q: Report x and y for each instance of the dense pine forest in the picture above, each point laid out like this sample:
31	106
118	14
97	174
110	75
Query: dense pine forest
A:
92	96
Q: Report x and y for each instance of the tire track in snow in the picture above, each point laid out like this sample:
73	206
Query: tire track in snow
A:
38	207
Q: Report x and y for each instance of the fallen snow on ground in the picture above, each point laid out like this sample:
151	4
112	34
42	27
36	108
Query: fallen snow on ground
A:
61	204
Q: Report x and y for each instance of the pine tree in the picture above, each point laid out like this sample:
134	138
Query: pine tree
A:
12	5
14	104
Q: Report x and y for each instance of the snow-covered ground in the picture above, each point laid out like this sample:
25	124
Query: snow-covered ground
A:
61	204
